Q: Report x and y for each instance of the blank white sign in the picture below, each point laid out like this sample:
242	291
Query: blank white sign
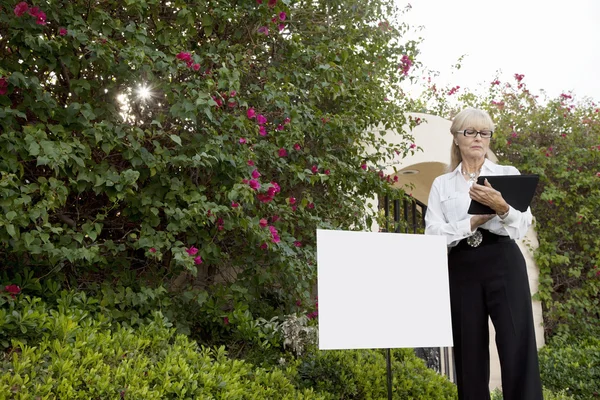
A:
382	290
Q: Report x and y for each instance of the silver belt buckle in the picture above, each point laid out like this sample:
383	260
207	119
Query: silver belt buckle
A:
475	239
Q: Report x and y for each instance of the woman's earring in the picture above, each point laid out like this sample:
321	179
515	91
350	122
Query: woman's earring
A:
456	143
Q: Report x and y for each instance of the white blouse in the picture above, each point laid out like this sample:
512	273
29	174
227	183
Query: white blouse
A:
449	201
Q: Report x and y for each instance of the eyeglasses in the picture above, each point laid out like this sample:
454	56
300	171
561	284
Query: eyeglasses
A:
485	134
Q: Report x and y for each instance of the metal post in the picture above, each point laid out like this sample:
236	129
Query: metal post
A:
389	373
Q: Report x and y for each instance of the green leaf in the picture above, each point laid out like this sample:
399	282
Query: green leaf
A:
176	139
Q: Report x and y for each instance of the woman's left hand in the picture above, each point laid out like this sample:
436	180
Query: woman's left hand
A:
486	194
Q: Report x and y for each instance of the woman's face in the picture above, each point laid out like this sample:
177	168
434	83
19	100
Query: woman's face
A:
474	148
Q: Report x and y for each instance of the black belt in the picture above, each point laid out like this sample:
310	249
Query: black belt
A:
487	238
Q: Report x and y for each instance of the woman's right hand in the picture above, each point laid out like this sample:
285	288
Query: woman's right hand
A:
477	220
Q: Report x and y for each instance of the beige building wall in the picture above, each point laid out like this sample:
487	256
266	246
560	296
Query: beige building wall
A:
419	170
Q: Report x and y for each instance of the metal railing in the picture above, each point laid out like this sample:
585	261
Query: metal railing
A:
409	217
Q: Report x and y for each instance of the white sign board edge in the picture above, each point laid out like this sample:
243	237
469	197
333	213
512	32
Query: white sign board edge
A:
382	290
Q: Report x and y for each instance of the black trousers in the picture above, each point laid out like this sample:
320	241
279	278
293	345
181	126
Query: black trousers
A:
491	280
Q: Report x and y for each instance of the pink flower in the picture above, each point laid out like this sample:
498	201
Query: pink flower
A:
218	101
152	250
275	218
292	200
314	169
198	260
62	31
3	86
327	172
242	141
363	166
255	174
453	90
254	184
412	146
226	320
598	174
282	16
250	163
281	27
272	3
279	127
262	131
274	20
310	205
245	181
184	56
287	120
196	67
261	119
192	251
231	103
405	64
263	246
259	1
41	18
395	178
519	77
265	197
233	93
234	204
21	9
276	187
282	152
298	243
274	234
251	113
13	290
297	147
263	222
263	30
496	82
294	208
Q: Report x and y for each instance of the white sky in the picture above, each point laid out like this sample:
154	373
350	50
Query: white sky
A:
556	44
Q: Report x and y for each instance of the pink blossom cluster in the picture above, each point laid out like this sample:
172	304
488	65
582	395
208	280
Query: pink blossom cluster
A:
3	86
453	90
496	82
187	58
405	64
192	251
519	77
39	15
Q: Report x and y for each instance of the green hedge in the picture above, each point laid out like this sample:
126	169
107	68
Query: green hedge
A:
361	374
76	349
79	357
573	365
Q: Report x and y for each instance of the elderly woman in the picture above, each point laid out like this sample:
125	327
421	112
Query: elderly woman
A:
487	271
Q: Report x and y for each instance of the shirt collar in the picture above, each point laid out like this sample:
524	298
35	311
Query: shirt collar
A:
487	166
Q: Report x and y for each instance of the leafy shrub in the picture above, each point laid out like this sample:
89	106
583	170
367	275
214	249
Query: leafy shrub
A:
246	144
573	365
362	374
79	357
547	394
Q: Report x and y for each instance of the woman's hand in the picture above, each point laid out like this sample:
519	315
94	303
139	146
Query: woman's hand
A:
486	194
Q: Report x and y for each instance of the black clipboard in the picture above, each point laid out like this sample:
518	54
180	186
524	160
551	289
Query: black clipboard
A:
517	190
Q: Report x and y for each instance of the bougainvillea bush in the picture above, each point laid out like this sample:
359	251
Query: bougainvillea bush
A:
197	142
558	139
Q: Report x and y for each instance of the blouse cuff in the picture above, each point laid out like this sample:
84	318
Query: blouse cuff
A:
512	217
